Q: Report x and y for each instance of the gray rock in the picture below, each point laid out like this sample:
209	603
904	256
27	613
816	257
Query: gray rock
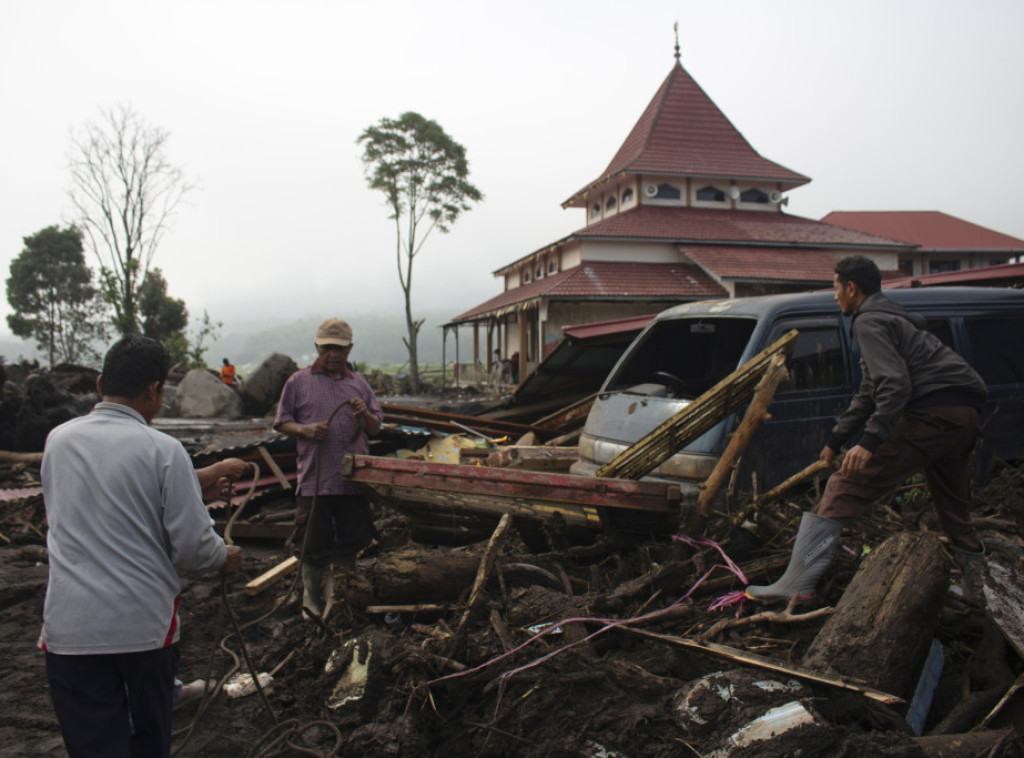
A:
263	388
202	394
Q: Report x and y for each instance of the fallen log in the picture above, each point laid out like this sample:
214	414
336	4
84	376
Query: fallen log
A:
883	625
415	576
1004	596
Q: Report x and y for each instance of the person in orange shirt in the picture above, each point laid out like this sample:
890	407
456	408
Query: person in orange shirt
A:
227	373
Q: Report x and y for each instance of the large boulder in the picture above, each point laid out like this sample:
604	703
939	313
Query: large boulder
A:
201	394
263	388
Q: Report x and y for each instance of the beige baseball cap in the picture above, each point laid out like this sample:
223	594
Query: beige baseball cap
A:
334	331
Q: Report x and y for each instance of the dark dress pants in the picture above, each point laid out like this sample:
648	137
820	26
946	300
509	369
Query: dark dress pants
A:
116	705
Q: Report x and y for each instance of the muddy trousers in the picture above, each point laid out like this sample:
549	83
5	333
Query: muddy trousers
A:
341	526
116	705
937	441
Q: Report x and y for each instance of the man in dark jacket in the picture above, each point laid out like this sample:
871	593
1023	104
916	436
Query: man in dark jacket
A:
918	406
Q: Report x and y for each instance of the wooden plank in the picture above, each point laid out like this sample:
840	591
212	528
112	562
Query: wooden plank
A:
740	656
414	501
522	486
268	578
274	468
668	438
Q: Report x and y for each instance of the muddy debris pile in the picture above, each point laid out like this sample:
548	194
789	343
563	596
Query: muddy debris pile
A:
594	650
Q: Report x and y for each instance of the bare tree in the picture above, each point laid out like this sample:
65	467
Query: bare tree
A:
125	191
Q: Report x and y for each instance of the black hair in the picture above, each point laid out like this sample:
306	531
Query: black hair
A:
133	363
862	271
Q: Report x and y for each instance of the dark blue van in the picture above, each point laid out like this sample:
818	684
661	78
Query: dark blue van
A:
689	348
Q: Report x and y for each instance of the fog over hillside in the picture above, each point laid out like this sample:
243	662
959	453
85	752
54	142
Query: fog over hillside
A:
377	340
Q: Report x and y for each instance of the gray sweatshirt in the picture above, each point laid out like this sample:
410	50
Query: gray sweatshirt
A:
902	365
124	511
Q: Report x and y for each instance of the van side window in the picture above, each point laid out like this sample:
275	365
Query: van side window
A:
816	361
997	347
940	328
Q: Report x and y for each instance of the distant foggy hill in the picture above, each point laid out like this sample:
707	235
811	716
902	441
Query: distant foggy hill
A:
377	340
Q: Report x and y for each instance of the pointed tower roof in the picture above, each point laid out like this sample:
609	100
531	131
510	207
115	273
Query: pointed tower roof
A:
683	133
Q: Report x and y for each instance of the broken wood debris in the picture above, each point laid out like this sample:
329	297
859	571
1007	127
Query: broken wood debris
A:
429	491
457	423
756	413
533	458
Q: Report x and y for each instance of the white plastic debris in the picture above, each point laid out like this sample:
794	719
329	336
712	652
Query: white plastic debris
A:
774	722
241	685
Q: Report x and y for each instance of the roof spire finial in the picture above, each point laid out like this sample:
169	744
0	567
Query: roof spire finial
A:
675	26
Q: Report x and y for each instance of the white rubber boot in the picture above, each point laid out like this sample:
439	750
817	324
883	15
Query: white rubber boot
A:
816	543
312	589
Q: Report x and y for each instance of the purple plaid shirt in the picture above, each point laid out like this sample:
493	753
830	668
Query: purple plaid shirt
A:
309	396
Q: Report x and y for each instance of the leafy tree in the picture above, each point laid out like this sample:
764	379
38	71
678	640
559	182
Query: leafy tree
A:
50	289
164	318
423	174
161	314
125	191
208	330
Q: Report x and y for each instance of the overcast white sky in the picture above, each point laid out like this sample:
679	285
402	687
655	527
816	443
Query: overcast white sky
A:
885	104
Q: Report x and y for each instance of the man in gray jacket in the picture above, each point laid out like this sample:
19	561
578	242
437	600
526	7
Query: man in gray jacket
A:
125	513
918	407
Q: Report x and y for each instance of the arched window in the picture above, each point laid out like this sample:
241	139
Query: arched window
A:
552	267
609	204
526	276
710	194
538	273
595	210
627	195
754	195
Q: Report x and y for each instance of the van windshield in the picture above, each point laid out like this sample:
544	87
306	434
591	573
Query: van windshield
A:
685	356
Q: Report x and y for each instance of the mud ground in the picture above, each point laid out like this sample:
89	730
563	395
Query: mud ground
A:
611	695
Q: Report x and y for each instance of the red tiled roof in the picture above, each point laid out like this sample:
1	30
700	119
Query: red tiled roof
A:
1003	275
683	133
774	264
705	225
604	280
932	230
